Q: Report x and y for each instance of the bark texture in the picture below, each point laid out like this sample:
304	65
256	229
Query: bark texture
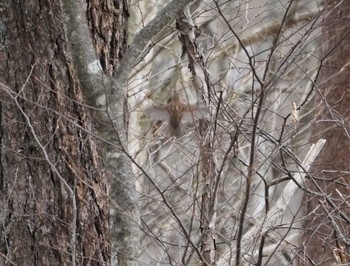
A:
327	238
52	184
107	21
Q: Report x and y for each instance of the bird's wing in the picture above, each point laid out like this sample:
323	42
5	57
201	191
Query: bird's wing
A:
195	113
157	113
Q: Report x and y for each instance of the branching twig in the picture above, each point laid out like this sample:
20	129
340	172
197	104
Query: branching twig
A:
272	217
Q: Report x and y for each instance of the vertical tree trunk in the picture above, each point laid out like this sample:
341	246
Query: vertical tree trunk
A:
328	224
54	207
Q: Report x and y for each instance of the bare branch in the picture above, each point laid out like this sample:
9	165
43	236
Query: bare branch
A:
276	212
145	35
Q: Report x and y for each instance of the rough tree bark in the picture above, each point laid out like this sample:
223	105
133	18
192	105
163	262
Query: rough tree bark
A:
52	180
54	207
326	240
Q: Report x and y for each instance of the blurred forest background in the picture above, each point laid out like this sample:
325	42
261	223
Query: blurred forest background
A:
261	177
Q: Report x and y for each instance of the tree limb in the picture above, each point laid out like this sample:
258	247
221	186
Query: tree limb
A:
106	94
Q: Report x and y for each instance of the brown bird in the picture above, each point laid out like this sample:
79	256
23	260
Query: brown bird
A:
175	113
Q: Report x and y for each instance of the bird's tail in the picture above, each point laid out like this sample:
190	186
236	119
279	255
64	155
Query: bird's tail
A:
175	131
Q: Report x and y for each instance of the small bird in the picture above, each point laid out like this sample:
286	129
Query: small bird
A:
175	113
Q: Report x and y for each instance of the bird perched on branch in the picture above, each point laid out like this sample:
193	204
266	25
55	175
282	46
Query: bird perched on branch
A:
175	113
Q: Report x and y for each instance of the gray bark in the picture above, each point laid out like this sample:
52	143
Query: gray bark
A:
107	96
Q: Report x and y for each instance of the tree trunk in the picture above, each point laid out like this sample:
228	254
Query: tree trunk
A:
326	240
54	206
